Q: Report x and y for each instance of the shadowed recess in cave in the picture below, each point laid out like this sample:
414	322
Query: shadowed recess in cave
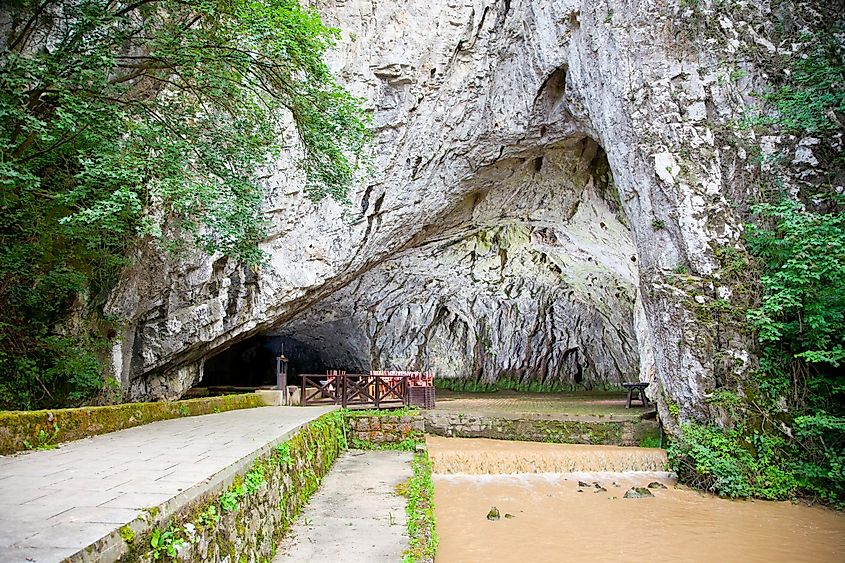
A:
251	363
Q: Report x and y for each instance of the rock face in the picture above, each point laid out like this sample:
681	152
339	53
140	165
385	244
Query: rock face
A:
547	188
530	276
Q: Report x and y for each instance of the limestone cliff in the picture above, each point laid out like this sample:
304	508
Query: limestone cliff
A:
548	191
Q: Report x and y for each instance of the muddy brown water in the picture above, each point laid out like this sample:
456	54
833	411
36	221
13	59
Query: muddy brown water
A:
555	519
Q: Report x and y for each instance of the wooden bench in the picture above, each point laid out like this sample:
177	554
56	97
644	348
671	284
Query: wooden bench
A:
639	387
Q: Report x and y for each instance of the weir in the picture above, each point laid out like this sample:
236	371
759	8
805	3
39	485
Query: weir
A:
492	457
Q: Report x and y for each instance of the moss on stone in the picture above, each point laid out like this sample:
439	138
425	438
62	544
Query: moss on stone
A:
251	531
127	534
17	427
594	431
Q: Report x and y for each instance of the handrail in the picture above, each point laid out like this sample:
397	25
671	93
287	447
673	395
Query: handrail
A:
355	389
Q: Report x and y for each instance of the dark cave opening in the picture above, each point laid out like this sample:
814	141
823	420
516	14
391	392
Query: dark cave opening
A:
251	363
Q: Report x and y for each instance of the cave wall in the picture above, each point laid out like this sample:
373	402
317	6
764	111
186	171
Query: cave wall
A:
458	89
533	276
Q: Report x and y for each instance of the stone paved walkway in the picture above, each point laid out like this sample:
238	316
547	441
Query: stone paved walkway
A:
55	503
356	515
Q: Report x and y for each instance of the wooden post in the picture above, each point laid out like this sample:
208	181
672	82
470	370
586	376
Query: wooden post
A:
343	392
377	381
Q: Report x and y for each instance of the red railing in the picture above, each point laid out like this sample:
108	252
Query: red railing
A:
377	389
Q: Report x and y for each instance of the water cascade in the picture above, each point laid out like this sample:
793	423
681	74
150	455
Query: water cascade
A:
479	456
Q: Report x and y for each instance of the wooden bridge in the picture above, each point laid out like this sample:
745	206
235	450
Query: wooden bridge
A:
377	389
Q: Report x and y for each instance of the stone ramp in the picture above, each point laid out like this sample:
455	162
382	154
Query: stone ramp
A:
356	515
55	503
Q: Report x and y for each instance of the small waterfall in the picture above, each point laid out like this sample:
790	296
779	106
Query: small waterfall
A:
479	456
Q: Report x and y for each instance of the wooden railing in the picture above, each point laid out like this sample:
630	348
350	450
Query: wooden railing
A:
355	389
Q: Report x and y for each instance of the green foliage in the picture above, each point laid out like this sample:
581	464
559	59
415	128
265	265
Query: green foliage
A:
814	92
254	480
229	499
145	123
820	459
43	440
208	517
732	463
404	445
166	542
422	526
674	409
389	413
803	259
509	384
127	534
283	455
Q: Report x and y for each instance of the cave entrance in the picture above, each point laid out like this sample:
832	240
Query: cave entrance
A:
529	282
251	363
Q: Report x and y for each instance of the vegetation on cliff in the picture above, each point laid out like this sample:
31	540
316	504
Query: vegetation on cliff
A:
788	436
149	122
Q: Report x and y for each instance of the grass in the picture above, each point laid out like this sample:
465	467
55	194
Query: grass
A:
422	526
404	411
595	403
509	384
406	445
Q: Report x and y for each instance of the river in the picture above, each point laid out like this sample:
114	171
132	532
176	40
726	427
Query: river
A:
546	515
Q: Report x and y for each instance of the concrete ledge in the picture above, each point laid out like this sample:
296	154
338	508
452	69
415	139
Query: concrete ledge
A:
46	428
271	397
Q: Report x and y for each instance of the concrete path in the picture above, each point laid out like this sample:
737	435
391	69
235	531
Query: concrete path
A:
356	515
55	503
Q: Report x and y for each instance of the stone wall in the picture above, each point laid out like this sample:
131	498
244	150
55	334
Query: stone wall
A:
596	430
44	429
243	518
401	429
384	429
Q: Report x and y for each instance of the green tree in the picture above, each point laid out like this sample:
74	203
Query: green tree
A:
146	119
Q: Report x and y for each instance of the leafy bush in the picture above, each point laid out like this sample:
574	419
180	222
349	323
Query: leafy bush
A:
820	462
147	122
730	462
815	91
803	259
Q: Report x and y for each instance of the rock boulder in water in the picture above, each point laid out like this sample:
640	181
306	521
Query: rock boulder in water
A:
656	485
493	514
637	492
